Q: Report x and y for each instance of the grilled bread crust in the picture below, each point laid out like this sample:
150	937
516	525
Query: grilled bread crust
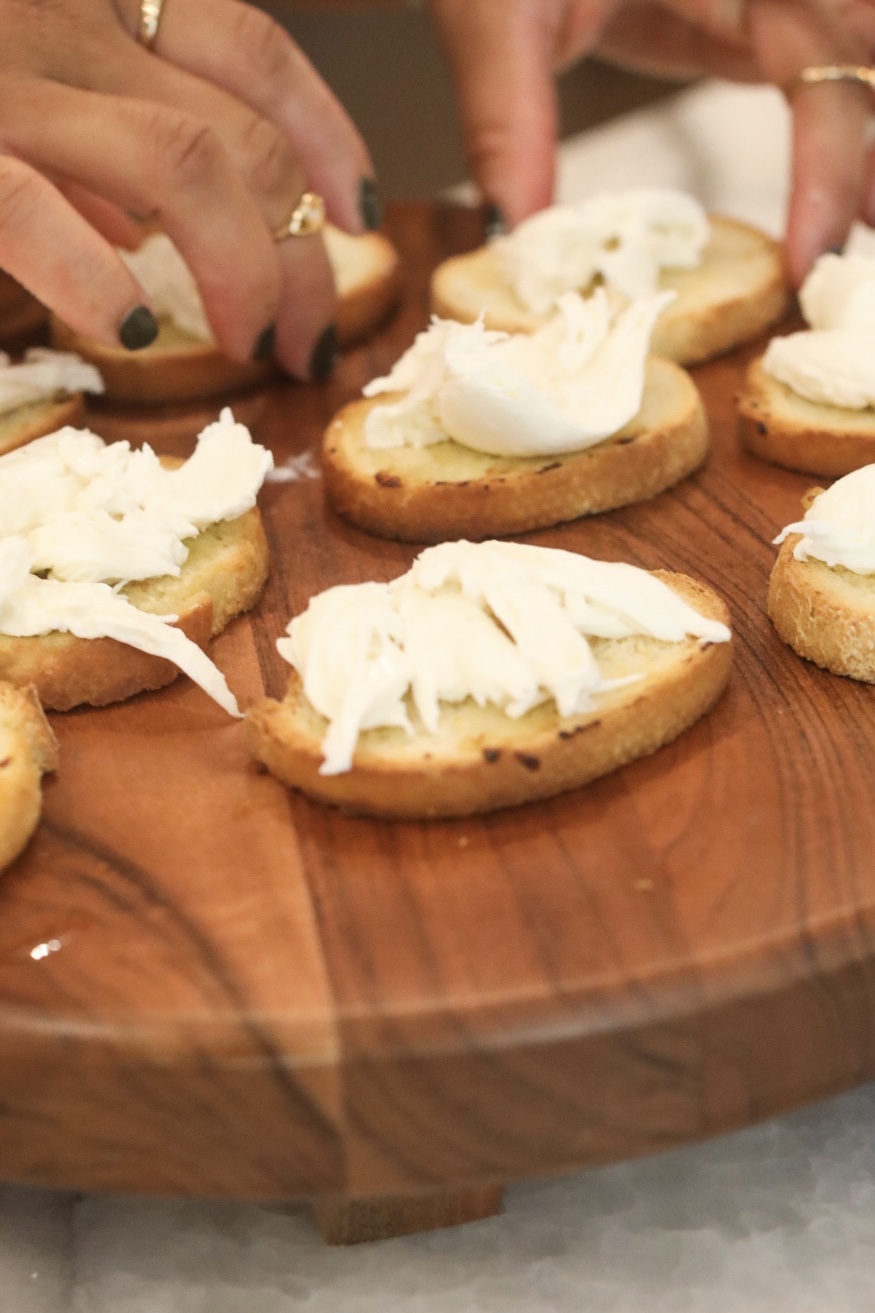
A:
783	428
738	290
223	576
27	749
825	613
446	491
481	759
37	418
179	367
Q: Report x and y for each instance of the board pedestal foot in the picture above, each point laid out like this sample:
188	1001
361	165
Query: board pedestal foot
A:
380	1217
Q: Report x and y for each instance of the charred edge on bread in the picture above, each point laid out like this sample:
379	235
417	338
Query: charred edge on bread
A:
622	442
7	761
761	428
386	480
578	729
529	760
491	754
545	469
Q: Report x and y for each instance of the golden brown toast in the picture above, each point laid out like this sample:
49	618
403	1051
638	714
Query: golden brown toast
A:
739	289
27	750
446	491
482	759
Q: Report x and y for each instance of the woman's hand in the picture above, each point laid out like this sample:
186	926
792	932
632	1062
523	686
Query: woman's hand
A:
216	135
504	54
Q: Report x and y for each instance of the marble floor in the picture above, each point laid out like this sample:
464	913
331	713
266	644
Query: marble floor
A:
776	1219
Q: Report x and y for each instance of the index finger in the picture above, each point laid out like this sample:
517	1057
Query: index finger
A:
829	124
501	54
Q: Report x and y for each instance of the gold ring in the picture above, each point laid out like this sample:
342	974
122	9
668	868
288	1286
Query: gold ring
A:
307	217
150	17
816	73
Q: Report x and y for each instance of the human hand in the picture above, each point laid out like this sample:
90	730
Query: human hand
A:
216	135
504	53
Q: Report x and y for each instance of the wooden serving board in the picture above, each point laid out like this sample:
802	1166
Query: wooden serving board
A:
210	986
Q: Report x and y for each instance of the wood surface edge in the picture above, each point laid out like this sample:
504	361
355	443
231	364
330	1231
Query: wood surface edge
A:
752	1043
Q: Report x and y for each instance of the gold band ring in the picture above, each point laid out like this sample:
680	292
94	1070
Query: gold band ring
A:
150	17
817	73
306	218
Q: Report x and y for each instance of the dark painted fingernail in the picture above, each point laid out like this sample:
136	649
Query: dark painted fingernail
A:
494	220
138	328
324	356
264	347
369	204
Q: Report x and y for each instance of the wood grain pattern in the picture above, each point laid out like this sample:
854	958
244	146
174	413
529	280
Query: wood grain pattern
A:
210	986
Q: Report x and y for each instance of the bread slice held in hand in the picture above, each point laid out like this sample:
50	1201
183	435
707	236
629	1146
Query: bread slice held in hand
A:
736	290
27	751
822	587
116	569
183	363
494	687
497	437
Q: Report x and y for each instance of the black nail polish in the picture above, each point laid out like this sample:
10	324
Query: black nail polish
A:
494	220
369	204
325	353
138	329
264	347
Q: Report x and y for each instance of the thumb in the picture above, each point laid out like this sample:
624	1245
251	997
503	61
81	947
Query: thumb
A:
502	53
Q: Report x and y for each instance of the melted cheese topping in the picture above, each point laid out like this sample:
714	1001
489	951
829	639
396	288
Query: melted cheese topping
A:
79	519
42	374
498	622
839	526
570	385
623	239
832	364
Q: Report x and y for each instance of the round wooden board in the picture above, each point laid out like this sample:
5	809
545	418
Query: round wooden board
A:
210	986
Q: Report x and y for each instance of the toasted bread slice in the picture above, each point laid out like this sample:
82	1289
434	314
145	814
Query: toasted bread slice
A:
27	750
223	576
482	759
779	426
367	272
445	491
37	418
825	613
21	315
738	290
175	367
179	367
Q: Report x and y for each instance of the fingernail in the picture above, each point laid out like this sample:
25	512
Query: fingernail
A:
369	204
494	220
324	356
838	249
138	328
264	347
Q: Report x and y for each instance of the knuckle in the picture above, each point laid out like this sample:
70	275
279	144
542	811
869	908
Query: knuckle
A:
270	165
188	151
20	196
262	44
